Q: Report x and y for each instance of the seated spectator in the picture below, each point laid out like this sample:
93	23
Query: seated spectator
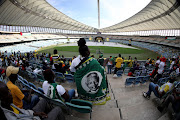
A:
154	73
44	65
75	62
172	63
174	98
144	70
26	100
160	69
28	67
159	91
136	67
12	112
50	84
178	71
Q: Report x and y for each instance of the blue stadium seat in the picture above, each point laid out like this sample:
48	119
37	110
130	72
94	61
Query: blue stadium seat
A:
138	80
41	90
32	85
59	76
25	81
69	77
119	73
130	81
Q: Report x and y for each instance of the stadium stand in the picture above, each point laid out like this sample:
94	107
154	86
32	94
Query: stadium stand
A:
150	28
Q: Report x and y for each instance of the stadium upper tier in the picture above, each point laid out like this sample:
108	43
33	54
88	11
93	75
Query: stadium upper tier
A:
13	38
157	15
37	13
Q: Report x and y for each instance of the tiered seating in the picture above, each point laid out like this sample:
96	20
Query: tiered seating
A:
76	104
136	80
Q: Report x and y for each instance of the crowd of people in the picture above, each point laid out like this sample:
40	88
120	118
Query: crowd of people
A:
90	78
22	103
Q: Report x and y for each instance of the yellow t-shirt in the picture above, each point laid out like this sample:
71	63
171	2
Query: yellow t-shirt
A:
166	87
16	94
119	61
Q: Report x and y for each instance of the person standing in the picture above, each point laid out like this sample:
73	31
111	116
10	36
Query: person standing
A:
109	65
55	58
101	60
119	61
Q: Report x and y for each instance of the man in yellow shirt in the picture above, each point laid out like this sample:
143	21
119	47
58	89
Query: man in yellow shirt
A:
119	61
43	110
25	101
159	91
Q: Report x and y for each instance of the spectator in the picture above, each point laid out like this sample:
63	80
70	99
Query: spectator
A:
55	58
160	69
135	62
26	100
172	63
49	76
10	110
174	99
130	62
109	64
158	61
119	61
90	78
75	62
160	91
136	67
101	60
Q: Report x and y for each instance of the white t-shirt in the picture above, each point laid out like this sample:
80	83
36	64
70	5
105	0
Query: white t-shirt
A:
166	87
59	88
74	63
158	61
161	67
173	62
177	71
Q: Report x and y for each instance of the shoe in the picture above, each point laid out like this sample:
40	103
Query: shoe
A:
146	96
114	76
160	108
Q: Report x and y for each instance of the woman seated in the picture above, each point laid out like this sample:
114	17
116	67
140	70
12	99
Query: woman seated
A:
51	88
89	76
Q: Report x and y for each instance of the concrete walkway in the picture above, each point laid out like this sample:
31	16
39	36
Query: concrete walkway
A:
127	103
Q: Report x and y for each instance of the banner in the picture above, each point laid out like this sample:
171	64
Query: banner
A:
25	34
170	38
91	82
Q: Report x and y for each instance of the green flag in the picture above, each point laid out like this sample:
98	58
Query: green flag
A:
91	82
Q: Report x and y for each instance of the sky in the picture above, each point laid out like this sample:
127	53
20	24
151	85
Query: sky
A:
111	11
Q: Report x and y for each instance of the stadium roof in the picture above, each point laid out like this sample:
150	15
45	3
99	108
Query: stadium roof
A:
157	15
37	13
